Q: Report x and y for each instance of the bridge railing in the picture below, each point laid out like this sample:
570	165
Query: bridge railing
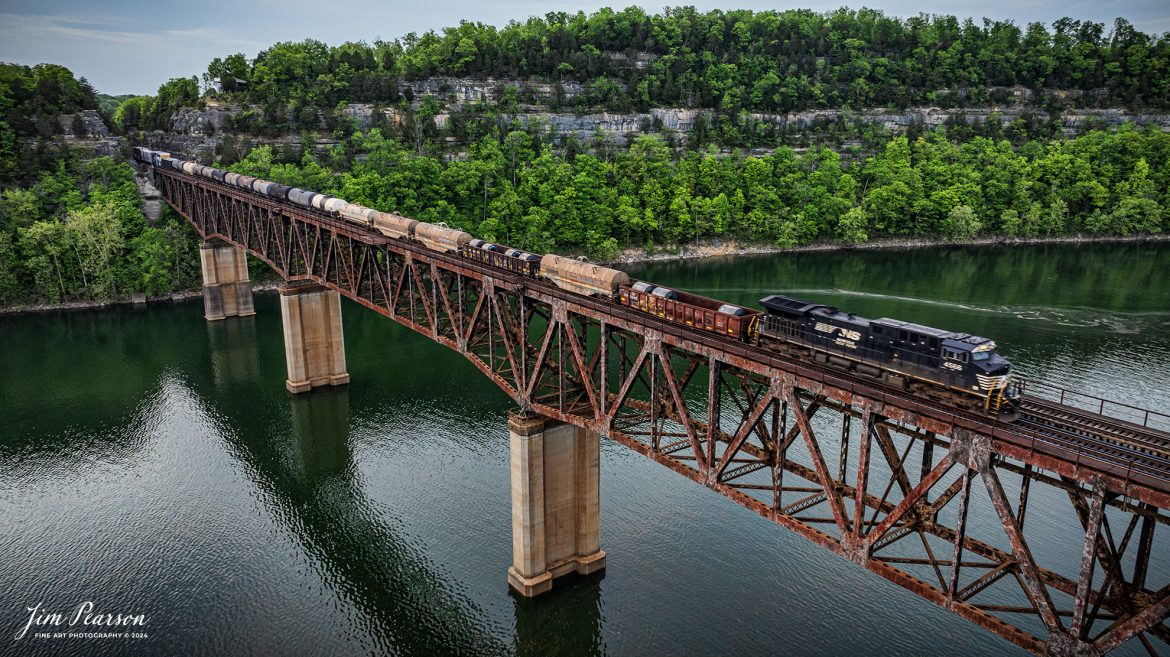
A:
1093	404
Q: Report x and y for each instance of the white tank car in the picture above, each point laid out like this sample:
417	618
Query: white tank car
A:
358	214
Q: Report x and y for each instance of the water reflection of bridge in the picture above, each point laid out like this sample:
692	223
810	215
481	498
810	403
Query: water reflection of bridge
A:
405	598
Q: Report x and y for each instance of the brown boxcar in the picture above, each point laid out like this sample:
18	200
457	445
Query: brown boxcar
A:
690	309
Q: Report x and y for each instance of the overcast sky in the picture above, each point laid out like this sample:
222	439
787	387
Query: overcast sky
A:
131	46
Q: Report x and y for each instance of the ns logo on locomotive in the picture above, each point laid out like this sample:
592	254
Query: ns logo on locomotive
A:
953	368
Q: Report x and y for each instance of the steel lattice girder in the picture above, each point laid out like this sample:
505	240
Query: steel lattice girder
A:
636	379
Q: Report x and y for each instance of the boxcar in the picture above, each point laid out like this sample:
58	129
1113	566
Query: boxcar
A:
690	309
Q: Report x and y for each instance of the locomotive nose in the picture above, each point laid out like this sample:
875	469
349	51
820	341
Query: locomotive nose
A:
994	366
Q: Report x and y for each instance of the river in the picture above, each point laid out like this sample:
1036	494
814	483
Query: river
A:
152	463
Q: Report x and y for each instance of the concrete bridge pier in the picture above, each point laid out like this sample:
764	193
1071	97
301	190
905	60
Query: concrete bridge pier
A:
314	347
227	292
556	525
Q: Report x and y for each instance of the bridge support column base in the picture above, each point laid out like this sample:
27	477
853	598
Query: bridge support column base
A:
227	292
556	526
314	346
529	587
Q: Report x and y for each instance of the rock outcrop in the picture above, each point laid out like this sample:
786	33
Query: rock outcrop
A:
92	126
202	133
87	130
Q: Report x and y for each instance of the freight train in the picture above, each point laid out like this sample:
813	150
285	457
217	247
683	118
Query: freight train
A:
952	367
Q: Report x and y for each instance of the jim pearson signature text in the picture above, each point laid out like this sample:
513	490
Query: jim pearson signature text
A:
83	615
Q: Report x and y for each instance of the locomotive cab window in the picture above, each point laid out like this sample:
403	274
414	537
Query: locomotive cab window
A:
960	356
981	355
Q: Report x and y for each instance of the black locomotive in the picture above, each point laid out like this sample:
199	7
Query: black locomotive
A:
958	368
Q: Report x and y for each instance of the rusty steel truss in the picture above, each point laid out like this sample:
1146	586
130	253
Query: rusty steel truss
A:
1058	545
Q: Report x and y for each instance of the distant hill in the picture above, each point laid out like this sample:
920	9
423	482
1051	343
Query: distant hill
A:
108	104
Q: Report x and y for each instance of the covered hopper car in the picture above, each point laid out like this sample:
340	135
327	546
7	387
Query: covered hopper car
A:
514	260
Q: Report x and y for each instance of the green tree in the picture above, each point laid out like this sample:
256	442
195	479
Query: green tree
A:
961	223
96	236
852	226
46	247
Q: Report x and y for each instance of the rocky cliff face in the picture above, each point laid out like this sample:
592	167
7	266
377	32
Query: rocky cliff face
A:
151	198
1072	120
464	90
92	133
198	133
194	121
91	124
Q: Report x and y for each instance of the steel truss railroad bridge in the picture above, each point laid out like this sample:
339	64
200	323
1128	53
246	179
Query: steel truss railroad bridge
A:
939	501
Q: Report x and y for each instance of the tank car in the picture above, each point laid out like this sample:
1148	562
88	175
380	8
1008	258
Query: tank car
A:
301	197
440	238
582	277
393	225
358	214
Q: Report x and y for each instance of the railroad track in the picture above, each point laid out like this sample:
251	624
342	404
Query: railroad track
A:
1149	445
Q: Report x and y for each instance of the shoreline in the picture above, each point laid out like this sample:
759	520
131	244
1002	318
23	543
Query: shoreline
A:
723	249
639	256
71	306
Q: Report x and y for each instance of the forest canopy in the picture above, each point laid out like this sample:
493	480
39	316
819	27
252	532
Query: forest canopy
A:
767	61
510	190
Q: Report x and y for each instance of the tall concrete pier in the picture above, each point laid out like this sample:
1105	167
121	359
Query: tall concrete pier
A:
556	525
227	292
314	347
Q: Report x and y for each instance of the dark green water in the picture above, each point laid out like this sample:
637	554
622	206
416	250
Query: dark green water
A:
153	463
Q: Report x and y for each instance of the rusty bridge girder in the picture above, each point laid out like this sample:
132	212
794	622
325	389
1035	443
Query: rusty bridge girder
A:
885	480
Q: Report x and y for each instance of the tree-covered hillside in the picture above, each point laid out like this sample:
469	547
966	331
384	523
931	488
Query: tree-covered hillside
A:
513	190
71	227
765	61
31	99
493	166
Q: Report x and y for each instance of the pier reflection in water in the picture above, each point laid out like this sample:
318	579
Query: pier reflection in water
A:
232	347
